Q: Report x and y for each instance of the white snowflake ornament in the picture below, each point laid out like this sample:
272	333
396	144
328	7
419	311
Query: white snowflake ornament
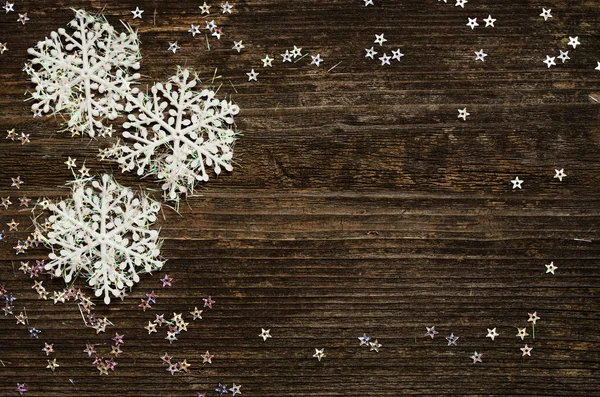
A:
176	133
83	74
102	234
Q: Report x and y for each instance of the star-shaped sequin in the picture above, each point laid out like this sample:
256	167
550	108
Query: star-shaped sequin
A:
235	389
16	182
151	327
6	202
238	46
23	18
364	340
21	386
476	357
24	201
574	41
452	340
492	333
267	61
265	334
546	13
522	333
197	314
533	317
183	365
221	389
24	138
564	55
431	332
374	346
14	226
48	349
316	60
208	302
560	174
118	339
21	319
489	21
472	23
319	354
173	47
385	59
166	281
194	30
34	333
551	268
550	61
8	7
137	13
226	8
397	54
463	114
516	183
160	320
204	8
115	350
207	357
89	349
526	351
480	56
370	52
286	56
379	39
252	75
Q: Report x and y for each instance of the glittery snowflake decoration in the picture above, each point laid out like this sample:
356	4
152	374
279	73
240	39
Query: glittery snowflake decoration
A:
102	233
84	74
175	133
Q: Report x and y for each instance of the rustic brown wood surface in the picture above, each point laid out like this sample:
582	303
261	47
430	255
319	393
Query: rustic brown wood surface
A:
359	203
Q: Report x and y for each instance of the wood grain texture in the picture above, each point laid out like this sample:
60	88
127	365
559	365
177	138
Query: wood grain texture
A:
359	204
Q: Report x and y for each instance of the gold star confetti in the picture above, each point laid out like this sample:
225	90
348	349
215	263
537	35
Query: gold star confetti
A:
21	319
24	201
70	163
14	226
196	313
24	138
84	171
6	202
183	365
52	365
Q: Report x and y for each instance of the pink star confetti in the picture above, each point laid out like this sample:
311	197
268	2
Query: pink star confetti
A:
208	302
166	281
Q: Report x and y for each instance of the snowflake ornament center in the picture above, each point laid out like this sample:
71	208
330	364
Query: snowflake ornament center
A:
102	233
84	74
177	133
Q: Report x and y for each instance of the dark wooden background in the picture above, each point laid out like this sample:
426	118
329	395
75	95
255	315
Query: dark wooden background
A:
359	204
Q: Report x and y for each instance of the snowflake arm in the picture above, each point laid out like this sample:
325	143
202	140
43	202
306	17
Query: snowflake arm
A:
177	133
84	74
102	232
